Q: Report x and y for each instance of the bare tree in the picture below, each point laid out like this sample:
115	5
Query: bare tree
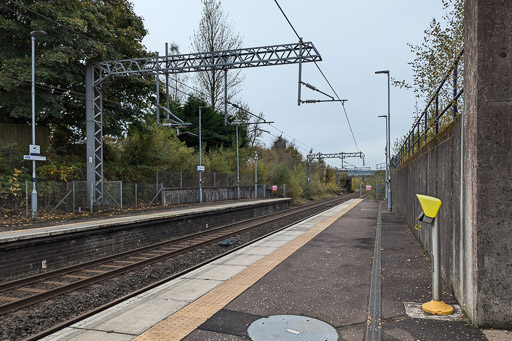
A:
178	80
215	33
253	129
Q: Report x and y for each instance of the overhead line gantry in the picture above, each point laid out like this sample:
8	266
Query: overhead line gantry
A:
96	73
321	156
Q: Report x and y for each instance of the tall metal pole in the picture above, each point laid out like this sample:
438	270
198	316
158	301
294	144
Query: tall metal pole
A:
237	167
225	96
33	36
390	208
386	154
436	263
167	81
34	191
256	175
200	155
300	72
388	144
157	98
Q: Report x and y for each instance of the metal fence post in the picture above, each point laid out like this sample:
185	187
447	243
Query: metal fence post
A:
26	199
121	195
74	203
161	194
214	178
284	191
136	203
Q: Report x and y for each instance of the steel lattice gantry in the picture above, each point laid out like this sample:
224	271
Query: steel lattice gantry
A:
320	156
96	73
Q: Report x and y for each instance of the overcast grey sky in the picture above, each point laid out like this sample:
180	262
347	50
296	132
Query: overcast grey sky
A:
355	39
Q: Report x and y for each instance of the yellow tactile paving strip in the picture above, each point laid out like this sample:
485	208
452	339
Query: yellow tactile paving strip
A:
186	320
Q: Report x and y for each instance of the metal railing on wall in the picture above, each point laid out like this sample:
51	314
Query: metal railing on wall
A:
428	124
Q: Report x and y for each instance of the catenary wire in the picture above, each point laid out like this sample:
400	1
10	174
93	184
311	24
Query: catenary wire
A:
323	74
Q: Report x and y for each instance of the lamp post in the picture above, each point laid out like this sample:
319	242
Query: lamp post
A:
388	144
256	175
386	154
34	35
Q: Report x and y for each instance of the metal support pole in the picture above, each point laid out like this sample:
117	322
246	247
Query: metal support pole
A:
34	191
225	96
136	198
437	115
388	140
436	264
26	200
390	208
255	175
360	190
181	178
308	170
237	167
455	89
121	195
300	72
200	160
157	98
74	203
284	191
167	81
91	197
214	178
425	127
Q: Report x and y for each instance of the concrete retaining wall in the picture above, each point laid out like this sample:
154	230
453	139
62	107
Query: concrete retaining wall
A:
475	218
435	171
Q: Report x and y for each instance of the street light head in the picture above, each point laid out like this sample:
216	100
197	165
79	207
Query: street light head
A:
386	116
382	72
37	34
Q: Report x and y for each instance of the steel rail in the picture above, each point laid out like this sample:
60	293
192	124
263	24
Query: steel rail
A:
248	225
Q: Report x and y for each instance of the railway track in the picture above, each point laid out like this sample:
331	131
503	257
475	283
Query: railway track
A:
21	294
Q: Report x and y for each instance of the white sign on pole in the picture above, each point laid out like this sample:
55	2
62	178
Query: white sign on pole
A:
34	149
200	168
34	157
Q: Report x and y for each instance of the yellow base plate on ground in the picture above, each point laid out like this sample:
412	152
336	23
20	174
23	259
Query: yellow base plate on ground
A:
437	308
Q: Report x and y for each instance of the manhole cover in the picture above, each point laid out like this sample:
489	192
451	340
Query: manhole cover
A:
291	327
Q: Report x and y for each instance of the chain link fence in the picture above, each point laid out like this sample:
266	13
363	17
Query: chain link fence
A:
56	198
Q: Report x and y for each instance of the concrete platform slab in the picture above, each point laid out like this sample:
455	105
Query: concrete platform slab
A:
188	289
88	335
139	318
244	260
261	250
221	272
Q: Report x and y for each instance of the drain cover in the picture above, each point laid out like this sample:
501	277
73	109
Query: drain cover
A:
291	327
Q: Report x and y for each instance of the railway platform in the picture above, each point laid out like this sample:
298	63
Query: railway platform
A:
50	247
315	280
50	228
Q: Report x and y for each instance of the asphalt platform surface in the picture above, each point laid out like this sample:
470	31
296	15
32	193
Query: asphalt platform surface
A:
329	279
